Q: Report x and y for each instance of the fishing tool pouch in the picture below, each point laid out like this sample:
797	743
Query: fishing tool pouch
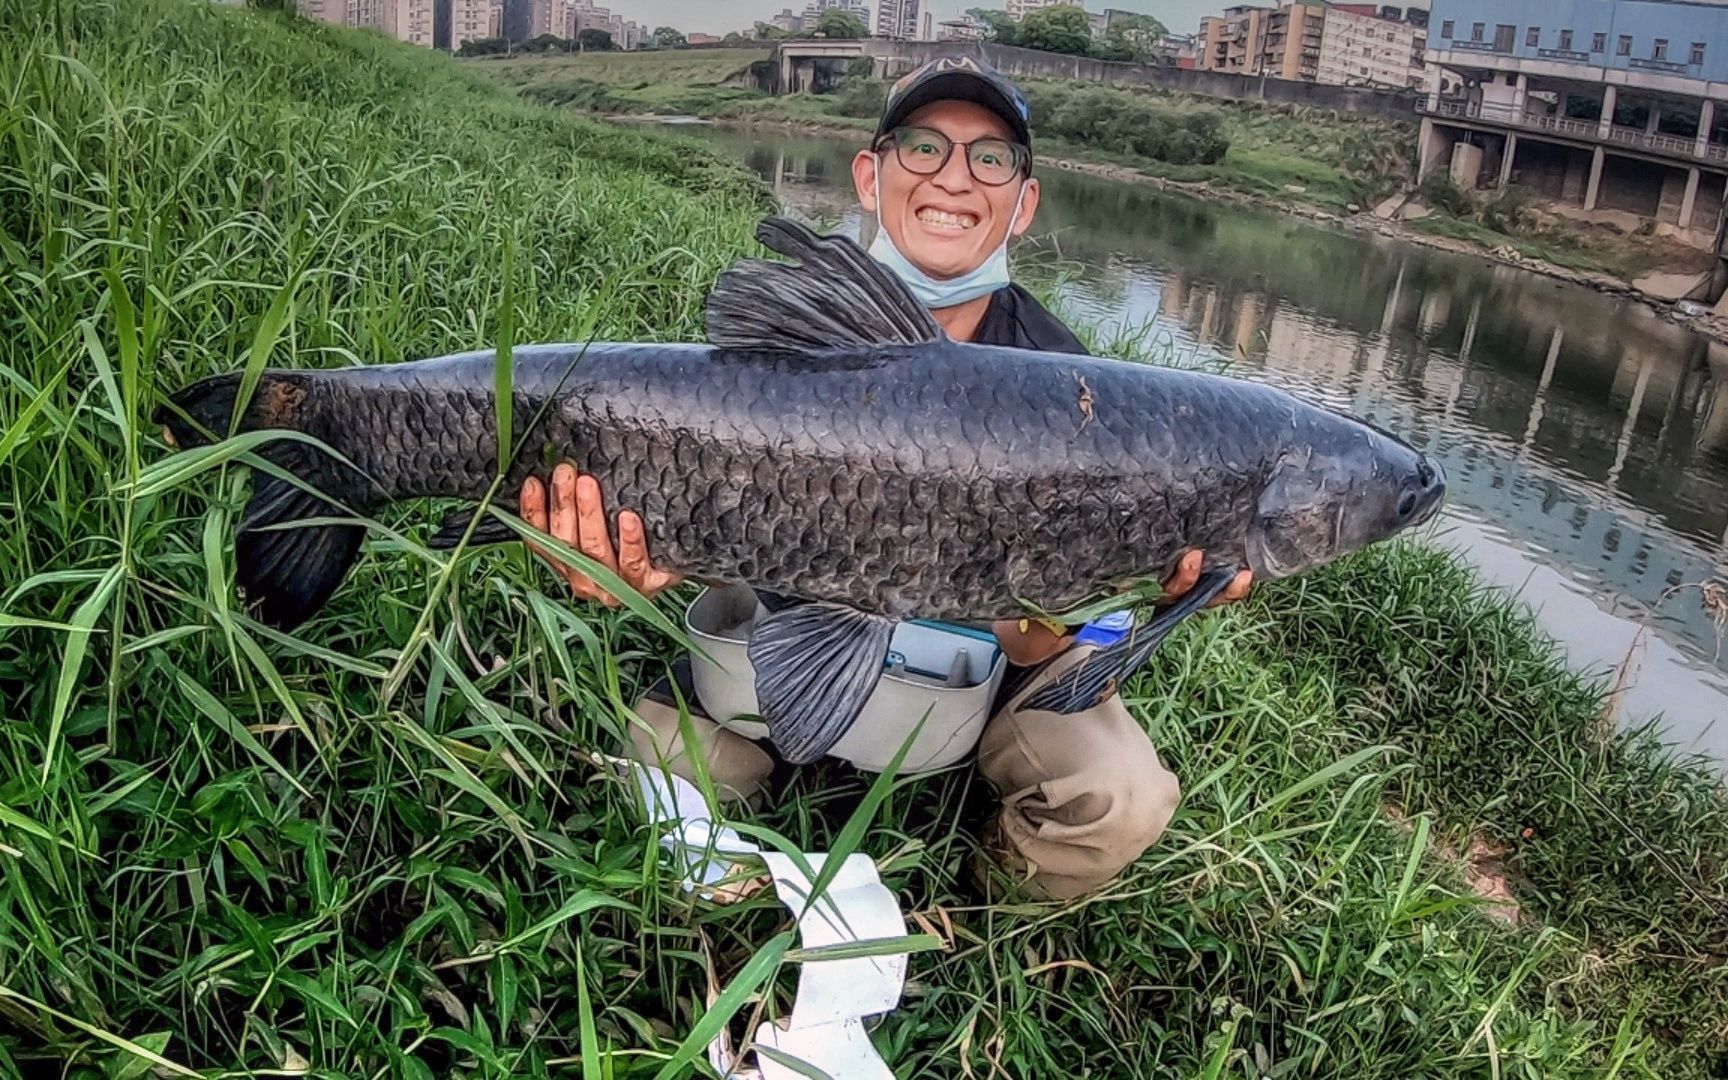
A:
952	672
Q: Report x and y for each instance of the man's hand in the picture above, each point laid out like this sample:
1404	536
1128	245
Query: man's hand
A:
578	518
1187	575
1038	643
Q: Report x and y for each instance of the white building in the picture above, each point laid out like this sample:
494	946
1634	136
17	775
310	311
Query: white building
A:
413	22
965	28
1019	9
470	20
330	11
898	20
1367	50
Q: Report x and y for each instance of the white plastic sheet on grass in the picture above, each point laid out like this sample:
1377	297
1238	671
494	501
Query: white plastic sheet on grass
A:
826	1028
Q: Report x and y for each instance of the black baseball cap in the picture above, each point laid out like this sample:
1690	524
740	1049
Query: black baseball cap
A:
958	78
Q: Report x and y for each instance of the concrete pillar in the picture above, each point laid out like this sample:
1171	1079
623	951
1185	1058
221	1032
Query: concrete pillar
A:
1595	184
1518	93
1466	165
1433	87
1609	94
1506	157
1706	117
1689	198
1427	152
1654	119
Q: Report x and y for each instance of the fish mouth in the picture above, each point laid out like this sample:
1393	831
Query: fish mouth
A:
1431	491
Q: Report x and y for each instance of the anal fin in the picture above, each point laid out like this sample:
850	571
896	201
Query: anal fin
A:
490	531
816	664
1092	681
287	570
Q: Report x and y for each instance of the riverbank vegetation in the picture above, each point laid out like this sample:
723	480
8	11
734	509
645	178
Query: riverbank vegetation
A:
1516	219
386	845
1281	153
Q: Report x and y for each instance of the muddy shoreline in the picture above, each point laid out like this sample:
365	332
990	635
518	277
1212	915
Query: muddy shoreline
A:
1710	325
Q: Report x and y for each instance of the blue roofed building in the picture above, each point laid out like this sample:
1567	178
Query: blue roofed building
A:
1614	110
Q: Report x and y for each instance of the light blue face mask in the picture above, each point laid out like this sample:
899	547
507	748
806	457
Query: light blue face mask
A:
934	293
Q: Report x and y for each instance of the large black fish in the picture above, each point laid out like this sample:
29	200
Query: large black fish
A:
833	448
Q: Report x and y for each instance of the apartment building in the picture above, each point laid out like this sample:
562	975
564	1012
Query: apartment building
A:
330	11
1361	46
1280	42
470	20
814	9
1019	9
898	19
414	21
625	33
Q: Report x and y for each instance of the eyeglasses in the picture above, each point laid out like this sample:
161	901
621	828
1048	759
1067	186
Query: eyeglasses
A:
926	152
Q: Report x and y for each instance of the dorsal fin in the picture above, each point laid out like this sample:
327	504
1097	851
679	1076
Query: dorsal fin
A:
834	295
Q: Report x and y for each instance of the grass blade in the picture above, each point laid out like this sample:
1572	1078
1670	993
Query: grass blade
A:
72	663
503	370
758	970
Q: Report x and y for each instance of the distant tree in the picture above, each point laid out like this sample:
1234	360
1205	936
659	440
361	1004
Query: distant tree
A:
492	46
594	40
770	32
734	39
665	37
999	27
836	23
1060	29
1131	37
544	43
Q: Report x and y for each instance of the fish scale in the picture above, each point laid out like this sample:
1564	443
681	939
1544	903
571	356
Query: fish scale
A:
876	472
809	509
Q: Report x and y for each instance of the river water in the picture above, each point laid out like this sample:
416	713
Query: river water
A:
1585	438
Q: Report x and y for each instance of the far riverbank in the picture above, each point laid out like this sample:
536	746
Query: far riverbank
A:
1505	249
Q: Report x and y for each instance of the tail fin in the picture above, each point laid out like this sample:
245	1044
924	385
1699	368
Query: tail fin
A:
285	570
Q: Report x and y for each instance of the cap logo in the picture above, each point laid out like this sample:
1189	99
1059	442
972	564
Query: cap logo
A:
958	63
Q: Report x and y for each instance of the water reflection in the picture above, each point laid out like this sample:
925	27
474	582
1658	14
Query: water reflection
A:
1585	437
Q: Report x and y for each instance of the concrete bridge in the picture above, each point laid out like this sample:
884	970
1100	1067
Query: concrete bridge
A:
812	66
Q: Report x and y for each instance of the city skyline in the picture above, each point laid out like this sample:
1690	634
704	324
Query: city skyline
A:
704	16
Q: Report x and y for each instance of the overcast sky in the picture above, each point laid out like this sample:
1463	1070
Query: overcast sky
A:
719	16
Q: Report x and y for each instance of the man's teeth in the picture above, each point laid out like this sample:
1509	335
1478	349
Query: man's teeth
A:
942	219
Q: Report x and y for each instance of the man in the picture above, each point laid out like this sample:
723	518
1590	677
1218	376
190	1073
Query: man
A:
948	176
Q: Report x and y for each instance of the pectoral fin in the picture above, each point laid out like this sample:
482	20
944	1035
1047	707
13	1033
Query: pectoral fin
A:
1094	679
816	664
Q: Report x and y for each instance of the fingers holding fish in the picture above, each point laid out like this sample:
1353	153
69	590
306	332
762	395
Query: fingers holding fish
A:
579	519
560	516
533	503
576	514
1236	590
1187	575
536	512
634	566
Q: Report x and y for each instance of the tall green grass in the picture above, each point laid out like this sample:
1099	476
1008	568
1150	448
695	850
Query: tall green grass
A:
235	851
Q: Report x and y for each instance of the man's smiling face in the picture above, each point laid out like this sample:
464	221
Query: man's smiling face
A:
946	223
